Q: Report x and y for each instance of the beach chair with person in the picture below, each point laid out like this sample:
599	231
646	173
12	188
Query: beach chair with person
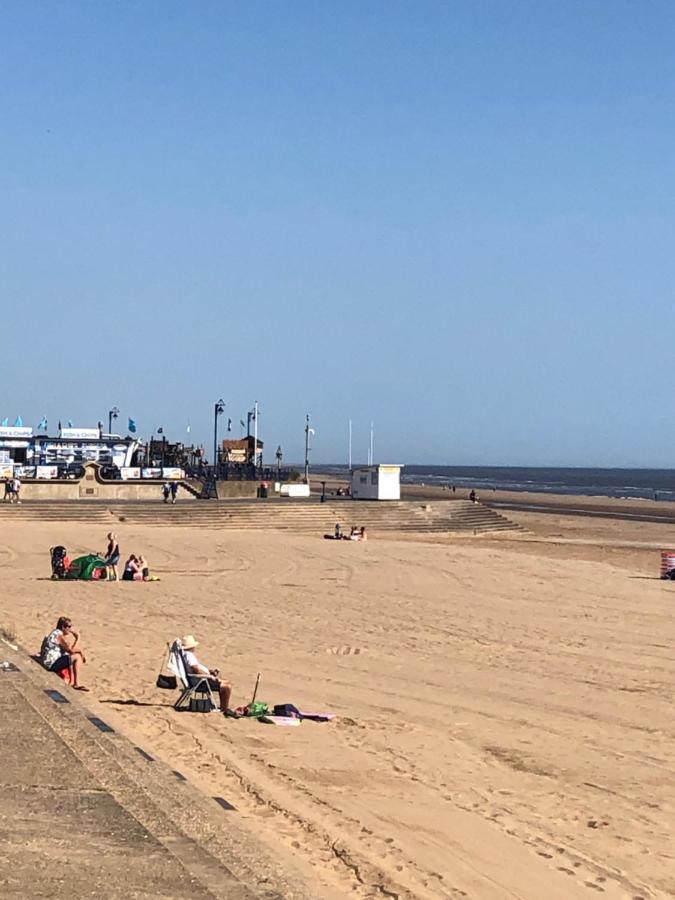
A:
198	682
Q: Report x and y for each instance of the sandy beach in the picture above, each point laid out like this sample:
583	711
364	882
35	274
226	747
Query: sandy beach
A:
505	705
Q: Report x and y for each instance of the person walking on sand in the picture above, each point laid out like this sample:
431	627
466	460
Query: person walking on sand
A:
112	557
17	490
61	650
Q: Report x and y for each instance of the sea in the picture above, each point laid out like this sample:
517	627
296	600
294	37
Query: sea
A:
626	483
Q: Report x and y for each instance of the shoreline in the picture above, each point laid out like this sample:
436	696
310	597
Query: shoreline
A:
535	501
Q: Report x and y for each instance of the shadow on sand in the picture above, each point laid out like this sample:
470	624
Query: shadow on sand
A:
121	702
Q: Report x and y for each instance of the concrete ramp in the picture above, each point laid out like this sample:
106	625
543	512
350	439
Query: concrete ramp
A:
85	813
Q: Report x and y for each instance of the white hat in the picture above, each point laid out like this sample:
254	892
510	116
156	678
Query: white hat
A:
189	643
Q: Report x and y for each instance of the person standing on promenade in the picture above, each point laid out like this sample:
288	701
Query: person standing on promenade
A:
166	490
112	557
173	487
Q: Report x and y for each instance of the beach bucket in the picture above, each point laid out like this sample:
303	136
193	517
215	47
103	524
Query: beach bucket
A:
667	563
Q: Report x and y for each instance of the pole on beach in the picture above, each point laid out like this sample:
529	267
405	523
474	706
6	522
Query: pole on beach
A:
350	445
307	430
255	437
255	689
219	409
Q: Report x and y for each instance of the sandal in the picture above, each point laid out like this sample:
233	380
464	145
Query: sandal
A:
80	687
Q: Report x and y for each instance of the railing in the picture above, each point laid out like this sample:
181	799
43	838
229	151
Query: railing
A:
237	472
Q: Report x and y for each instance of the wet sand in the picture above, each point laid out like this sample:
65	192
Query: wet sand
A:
505	705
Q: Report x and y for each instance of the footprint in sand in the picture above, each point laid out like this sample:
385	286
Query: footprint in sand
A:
344	651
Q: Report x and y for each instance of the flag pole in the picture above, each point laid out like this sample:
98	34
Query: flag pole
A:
307	449
350	445
255	437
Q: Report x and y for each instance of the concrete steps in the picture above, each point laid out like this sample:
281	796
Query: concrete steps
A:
307	516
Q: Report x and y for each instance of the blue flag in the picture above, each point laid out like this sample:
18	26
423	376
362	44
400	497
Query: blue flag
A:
70	423
43	423
5	422
132	426
18	422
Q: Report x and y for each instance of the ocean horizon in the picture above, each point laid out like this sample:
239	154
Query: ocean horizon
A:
628	483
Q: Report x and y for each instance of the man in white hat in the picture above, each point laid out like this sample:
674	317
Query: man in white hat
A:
224	688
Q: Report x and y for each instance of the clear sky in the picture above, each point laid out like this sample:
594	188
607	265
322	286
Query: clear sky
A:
453	218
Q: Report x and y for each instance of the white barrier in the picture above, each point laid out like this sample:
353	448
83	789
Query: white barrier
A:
294	490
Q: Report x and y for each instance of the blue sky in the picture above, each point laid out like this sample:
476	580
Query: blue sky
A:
453	218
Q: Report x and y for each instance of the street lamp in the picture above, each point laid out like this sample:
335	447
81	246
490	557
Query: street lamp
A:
113	414
279	455
218	410
308	431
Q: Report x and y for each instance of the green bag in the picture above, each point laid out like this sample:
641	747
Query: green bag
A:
255	710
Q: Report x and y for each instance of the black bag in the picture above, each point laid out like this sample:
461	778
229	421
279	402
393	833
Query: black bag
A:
167	682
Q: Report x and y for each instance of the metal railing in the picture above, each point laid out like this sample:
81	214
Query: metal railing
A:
237	472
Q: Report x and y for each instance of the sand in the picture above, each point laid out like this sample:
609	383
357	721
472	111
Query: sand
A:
505	706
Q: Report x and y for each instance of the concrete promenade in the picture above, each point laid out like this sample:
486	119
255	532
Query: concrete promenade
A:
86	813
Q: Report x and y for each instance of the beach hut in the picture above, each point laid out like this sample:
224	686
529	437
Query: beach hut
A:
381	482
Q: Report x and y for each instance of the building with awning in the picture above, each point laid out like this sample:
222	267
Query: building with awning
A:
242	450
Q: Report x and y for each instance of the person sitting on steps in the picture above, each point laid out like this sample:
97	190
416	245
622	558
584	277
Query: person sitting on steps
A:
61	650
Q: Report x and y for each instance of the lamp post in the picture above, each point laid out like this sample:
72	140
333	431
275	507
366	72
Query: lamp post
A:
279	455
308	431
112	414
218	410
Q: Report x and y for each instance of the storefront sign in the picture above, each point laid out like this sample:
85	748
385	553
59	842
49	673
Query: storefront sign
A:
15	431
6	471
151	473
173	474
130	473
79	434
47	472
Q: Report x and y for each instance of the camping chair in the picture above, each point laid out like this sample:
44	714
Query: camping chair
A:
197	695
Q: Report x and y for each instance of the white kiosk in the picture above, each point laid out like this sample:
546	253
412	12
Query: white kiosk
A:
382	482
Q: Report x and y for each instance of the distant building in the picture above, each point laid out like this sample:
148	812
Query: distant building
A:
382	482
39	455
241	451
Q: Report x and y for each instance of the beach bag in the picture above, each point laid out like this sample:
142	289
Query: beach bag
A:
166	682
254	710
287	710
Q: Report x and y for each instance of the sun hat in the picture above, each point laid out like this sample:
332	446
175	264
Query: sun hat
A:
189	643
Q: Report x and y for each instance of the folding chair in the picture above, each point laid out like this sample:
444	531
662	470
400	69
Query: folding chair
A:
196	695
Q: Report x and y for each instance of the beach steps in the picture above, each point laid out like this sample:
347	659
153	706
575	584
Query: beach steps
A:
307	516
